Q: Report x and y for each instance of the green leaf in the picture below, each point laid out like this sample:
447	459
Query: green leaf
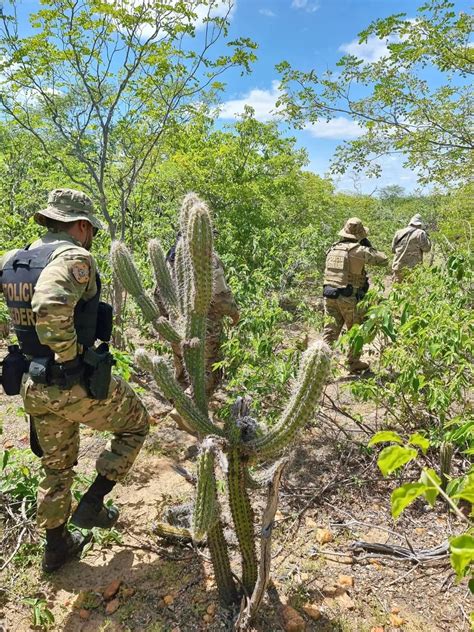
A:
393	457
419	440
430	479
466	490
462	553
471	585
404	496
385	435
6	456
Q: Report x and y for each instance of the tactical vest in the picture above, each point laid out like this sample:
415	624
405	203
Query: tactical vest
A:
19	277
341	269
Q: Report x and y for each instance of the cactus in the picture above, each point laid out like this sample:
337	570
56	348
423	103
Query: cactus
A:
445	457
187	295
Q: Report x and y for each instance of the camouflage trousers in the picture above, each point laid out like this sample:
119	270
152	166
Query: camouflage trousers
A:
56	414
339	312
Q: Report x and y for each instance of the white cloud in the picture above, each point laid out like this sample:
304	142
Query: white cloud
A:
214	9
262	101
370	51
267	13
338	128
306	5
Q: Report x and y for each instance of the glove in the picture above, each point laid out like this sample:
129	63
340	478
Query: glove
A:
365	242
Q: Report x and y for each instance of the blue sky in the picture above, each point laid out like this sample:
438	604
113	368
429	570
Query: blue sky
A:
314	34
308	34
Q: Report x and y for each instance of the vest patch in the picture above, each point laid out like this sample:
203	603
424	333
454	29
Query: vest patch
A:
81	272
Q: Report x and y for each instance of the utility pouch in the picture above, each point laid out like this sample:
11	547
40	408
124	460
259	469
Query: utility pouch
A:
104	325
14	365
331	292
346	291
98	363
40	369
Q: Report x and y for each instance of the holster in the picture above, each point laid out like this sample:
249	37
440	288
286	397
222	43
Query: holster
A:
330	292
64	375
34	442
14	366
98	371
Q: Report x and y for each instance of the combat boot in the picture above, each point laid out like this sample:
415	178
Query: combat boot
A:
89	515
357	366
63	550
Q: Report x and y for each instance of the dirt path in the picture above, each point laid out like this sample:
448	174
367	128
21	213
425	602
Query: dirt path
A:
332	492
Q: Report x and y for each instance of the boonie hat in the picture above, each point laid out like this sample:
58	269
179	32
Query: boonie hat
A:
68	205
416	221
354	229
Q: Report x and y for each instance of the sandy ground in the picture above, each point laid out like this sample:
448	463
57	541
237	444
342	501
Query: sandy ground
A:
331	486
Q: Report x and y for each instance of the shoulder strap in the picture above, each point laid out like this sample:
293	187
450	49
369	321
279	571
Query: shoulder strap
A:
408	231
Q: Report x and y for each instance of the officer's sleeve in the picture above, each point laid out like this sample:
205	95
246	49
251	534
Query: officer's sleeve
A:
60	286
425	242
394	241
223	301
374	257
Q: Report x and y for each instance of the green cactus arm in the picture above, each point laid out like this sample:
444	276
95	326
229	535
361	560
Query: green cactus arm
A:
164	282
243	518
199	239
183	276
194	355
304	400
125	269
174	534
127	273
189	201
220	561
167	331
206	510
172	390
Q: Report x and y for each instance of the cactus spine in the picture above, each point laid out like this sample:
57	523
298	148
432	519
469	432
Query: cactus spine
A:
187	295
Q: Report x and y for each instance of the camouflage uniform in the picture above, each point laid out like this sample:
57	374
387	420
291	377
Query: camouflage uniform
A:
408	245
353	257
57	413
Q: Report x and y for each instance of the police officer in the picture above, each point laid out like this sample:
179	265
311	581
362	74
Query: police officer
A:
346	283
408	245
52	289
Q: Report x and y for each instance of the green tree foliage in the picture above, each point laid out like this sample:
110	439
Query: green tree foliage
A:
98	83
430	124
424	331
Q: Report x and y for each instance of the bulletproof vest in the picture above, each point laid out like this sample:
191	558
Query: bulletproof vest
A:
342	269
19	277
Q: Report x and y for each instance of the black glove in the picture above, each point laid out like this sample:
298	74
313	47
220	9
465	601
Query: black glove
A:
365	242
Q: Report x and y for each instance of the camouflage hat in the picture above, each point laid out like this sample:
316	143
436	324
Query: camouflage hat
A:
416	221
354	229
68	205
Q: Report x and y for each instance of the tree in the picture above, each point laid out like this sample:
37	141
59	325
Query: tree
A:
401	113
98	83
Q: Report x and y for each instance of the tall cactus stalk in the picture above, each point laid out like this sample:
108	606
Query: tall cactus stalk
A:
186	293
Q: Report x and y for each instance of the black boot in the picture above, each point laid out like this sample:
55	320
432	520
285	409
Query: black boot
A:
61	547
91	511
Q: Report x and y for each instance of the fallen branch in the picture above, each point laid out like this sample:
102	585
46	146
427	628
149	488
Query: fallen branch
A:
421	556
